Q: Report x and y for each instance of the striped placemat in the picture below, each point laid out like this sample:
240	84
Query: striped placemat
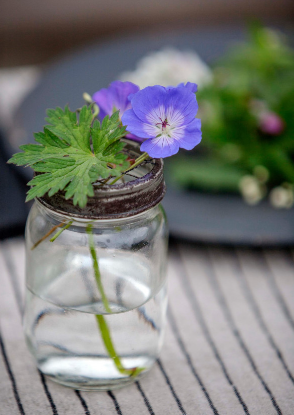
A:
229	345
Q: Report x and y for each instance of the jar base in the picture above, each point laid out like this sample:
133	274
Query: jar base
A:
81	372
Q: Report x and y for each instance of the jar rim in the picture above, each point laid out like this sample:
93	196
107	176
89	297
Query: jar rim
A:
118	200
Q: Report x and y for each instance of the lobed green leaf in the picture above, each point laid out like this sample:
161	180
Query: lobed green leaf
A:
64	157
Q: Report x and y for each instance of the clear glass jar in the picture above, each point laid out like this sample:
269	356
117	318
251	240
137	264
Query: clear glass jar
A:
96	296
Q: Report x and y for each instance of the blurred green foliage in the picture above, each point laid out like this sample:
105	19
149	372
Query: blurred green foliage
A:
253	83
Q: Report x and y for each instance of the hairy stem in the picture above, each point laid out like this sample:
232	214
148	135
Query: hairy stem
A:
96	111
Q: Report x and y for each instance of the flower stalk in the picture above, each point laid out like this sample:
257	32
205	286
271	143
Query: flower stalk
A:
61	230
102	324
96	269
47	234
138	161
105	333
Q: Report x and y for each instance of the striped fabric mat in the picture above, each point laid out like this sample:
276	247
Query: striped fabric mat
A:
229	345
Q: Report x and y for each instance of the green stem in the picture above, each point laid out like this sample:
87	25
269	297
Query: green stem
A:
61	230
96	111
105	332
104	182
96	269
47	234
138	161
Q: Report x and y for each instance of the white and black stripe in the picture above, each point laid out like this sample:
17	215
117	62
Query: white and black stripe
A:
13	276
11	377
83	402
189	360
146	400
173	392
48	394
231	322
255	309
276	291
200	318
116	405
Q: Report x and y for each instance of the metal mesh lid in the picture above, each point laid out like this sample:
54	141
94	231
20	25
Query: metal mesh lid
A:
120	200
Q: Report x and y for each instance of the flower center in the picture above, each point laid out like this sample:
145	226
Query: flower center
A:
165	126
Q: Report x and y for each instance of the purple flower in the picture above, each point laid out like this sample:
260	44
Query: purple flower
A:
165	117
190	86
114	98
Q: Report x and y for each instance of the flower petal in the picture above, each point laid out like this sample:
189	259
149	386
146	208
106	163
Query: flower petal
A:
160	147
181	106
120	92
190	86
192	135
114	97
148	104
104	100
135	125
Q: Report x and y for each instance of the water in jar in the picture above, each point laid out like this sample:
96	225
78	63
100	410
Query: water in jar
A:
61	326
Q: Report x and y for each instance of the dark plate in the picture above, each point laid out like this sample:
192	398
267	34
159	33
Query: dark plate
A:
227	219
198	217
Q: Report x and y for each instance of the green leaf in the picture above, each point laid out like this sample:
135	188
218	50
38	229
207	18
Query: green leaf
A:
254	78
64	157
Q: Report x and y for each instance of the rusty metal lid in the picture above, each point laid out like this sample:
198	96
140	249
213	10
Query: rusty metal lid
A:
119	200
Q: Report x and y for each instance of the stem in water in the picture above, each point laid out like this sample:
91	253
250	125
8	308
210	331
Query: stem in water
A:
102	324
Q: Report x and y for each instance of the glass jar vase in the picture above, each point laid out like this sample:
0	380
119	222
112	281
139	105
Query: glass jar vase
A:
96	283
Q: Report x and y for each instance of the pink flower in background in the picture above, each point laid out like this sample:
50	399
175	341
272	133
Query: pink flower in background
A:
271	123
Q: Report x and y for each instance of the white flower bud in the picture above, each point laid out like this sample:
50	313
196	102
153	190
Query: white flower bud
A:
282	197
251	190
